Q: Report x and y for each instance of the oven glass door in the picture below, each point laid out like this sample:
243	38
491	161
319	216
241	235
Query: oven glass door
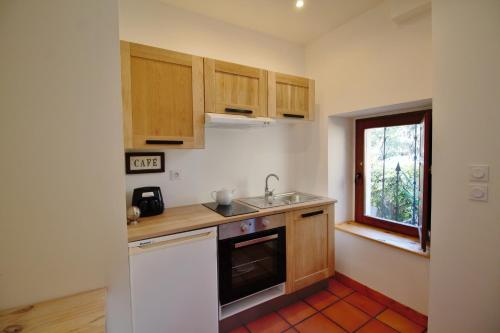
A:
251	263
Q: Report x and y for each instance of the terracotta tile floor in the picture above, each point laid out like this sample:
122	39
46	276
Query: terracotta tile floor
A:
337	309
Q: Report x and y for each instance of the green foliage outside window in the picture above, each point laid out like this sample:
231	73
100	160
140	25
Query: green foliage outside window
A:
392	193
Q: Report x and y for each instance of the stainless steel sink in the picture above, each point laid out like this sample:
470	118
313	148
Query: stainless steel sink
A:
277	200
296	197
261	202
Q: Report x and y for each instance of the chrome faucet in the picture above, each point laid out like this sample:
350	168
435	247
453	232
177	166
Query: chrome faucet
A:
269	193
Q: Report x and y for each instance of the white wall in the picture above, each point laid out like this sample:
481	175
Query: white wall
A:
394	273
368	63
372	61
465	265
62	212
341	166
155	23
232	158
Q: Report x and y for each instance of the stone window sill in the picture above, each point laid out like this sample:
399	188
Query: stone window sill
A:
393	239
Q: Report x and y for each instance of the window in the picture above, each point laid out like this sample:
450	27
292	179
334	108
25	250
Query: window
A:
393	172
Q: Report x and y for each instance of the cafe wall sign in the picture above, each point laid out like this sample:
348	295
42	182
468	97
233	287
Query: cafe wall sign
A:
144	162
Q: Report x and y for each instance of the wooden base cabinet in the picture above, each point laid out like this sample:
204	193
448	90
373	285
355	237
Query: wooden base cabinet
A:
310	246
290	96
163	98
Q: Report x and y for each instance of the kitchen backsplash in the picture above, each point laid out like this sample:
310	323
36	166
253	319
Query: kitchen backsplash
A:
232	158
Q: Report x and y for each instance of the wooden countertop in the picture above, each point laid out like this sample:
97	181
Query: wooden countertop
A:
83	312
185	218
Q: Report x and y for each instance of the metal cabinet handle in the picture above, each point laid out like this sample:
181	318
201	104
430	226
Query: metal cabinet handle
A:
164	142
238	110
291	115
318	212
255	241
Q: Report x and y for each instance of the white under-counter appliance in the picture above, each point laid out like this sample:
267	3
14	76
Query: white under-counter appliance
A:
174	283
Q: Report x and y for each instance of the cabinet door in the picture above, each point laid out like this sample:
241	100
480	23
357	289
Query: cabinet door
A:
162	95
290	96
235	89
309	247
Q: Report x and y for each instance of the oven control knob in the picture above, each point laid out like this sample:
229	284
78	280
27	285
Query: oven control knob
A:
265	223
244	227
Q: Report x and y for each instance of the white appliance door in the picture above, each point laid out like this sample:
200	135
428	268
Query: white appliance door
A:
174	283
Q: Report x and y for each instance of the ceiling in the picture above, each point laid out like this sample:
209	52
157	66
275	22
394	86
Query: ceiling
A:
280	18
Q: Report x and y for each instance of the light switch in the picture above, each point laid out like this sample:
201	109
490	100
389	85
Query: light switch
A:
478	192
479	173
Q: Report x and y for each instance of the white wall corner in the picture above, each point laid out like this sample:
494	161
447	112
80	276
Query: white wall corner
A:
382	110
404	10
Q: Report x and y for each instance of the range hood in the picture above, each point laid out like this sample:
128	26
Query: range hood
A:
236	121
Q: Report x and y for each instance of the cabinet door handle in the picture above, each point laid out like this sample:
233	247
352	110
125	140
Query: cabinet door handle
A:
238	110
318	212
164	142
291	115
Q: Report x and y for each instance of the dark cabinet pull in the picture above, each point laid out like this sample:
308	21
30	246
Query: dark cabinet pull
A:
318	212
291	115
238	110
164	142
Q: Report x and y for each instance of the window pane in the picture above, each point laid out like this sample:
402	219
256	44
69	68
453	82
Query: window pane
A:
392	167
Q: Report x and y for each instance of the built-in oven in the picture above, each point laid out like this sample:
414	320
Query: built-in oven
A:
252	256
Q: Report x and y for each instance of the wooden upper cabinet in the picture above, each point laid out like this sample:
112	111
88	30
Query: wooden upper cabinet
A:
163	103
235	89
290	96
310	246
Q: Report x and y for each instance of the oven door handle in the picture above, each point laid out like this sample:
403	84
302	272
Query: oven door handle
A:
255	241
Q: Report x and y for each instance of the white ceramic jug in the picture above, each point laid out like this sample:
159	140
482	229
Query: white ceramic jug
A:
223	197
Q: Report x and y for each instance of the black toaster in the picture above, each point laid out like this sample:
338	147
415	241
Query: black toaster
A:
149	200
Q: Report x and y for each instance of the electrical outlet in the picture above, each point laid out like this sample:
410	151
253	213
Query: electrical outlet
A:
175	175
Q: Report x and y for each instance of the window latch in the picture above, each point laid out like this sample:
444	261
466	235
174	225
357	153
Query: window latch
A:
358	177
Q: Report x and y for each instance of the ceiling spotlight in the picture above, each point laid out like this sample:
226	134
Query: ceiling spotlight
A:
299	3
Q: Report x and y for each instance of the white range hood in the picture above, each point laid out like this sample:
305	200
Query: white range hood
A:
236	121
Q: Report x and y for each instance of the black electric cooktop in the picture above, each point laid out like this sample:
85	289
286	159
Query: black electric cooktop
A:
230	210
